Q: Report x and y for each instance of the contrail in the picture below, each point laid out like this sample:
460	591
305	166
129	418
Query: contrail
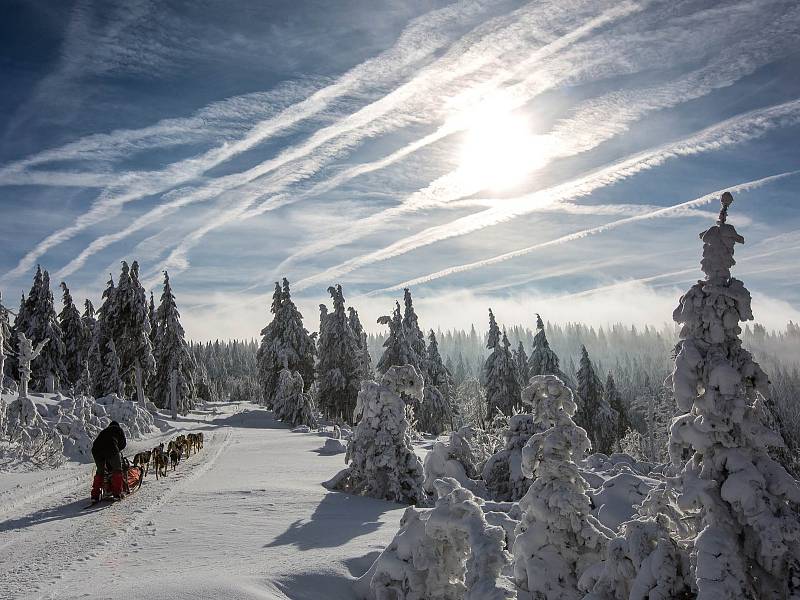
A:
591	124
732	131
471	53
419	42
702	200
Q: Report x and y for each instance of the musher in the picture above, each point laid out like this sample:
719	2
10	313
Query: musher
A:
107	452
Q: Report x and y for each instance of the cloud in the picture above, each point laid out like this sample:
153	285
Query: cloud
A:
732	131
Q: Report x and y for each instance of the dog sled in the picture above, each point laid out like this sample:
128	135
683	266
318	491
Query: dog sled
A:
131	481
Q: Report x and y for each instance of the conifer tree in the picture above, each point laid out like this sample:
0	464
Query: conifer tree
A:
130	330
89	321
172	355
397	351
499	373
5	338
594	414
437	408
339	370
543	360
361	335
101	334
151	316
109	380
614	399
521	363
749	541
284	343
74	336
49	372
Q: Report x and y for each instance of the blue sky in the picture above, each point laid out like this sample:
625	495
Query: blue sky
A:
555	157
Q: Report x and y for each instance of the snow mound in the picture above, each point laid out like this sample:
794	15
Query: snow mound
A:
333	446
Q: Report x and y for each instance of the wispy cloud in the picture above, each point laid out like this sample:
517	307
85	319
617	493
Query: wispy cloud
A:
702	200
417	44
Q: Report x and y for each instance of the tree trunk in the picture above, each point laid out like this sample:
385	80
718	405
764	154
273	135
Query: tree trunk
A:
173	393
139	386
50	383
2	363
23	385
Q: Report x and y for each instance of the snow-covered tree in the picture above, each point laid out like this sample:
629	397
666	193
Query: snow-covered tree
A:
109	381
89	321
340	367
594	413
749	541
171	356
361	335
499	373
284	343
505	480
648	558
543	360
101	334
521	363
5	338
49	372
447	553
397	349
151	316
128	324
613	398
382	461
292	405
558	538
74	336
436	412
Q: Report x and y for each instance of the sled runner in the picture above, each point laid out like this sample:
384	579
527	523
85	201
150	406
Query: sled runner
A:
131	479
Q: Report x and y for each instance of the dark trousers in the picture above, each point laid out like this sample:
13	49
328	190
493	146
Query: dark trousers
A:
107	463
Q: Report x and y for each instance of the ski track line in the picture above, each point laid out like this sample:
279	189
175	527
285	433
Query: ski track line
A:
81	536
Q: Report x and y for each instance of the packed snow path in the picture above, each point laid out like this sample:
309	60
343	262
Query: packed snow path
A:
245	518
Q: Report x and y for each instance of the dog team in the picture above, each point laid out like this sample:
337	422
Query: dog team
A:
161	459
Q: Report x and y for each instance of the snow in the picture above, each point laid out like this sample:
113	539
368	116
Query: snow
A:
230	522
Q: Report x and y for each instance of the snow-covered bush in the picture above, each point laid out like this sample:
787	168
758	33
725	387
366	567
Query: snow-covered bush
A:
135	420
748	544
440	463
502	472
382	461
649	559
448	553
558	538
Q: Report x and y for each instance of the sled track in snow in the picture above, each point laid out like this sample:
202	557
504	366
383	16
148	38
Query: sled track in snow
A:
51	540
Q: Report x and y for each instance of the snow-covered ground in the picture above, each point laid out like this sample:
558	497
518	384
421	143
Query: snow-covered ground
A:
245	518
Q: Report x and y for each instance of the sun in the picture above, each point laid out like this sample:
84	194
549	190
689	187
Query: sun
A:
498	150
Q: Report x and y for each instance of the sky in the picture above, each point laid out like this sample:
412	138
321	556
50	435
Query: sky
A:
558	157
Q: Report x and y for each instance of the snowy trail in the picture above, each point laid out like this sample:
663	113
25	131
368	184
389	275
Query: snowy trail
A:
246	518
38	545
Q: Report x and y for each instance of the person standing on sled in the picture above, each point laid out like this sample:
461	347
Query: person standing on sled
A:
107	452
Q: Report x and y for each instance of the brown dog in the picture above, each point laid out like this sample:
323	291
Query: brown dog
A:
160	460
142	460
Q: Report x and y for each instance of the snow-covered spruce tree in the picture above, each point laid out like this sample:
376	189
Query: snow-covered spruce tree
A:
500	373
339	368
130	331
74	336
505	480
361	335
594	413
109	381
89	321
613	398
49	371
749	541
558	538
171	355
398	350
101	335
543	360
382	461
5	339
151	316
292	405
284	342
521	364
436	412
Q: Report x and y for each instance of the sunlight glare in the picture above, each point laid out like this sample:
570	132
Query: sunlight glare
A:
499	150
